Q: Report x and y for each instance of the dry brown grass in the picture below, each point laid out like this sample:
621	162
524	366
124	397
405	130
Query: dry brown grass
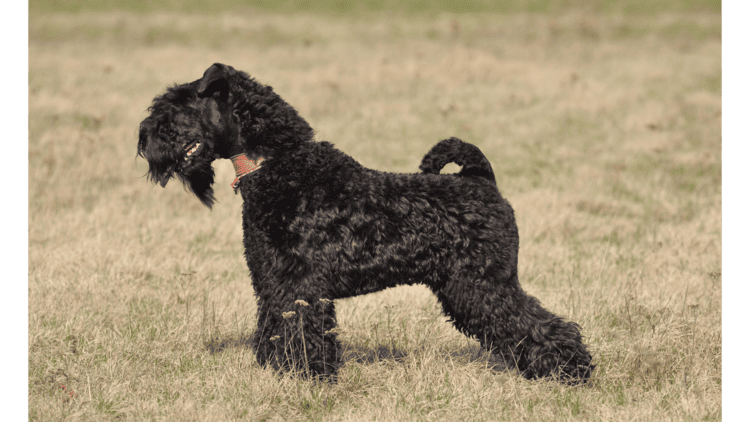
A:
604	133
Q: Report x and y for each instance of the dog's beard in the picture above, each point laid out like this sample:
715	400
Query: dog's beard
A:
195	172
198	176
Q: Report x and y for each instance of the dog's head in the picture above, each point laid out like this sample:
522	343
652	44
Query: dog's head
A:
186	131
222	114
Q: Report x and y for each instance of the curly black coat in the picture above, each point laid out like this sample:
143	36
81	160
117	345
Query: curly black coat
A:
318	226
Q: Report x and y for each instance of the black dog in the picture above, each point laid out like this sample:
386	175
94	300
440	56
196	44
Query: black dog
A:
318	227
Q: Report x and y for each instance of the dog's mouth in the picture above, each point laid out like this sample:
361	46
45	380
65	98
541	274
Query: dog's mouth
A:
191	149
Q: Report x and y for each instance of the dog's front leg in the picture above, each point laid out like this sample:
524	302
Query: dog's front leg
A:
297	335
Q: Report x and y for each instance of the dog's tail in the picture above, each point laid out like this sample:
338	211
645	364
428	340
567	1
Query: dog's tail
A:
453	150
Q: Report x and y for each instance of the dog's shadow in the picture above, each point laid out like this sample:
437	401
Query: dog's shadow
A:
384	353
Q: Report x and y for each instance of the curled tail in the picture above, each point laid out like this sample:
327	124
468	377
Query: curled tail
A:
453	150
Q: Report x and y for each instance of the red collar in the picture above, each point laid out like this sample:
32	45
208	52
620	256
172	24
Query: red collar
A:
243	166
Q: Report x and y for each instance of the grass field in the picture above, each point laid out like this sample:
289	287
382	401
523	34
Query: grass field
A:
602	122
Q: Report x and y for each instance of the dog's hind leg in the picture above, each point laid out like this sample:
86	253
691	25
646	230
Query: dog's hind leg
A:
508	322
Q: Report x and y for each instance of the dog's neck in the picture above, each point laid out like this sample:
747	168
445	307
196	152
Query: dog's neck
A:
244	166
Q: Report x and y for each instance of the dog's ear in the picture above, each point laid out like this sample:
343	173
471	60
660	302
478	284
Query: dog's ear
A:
215	79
